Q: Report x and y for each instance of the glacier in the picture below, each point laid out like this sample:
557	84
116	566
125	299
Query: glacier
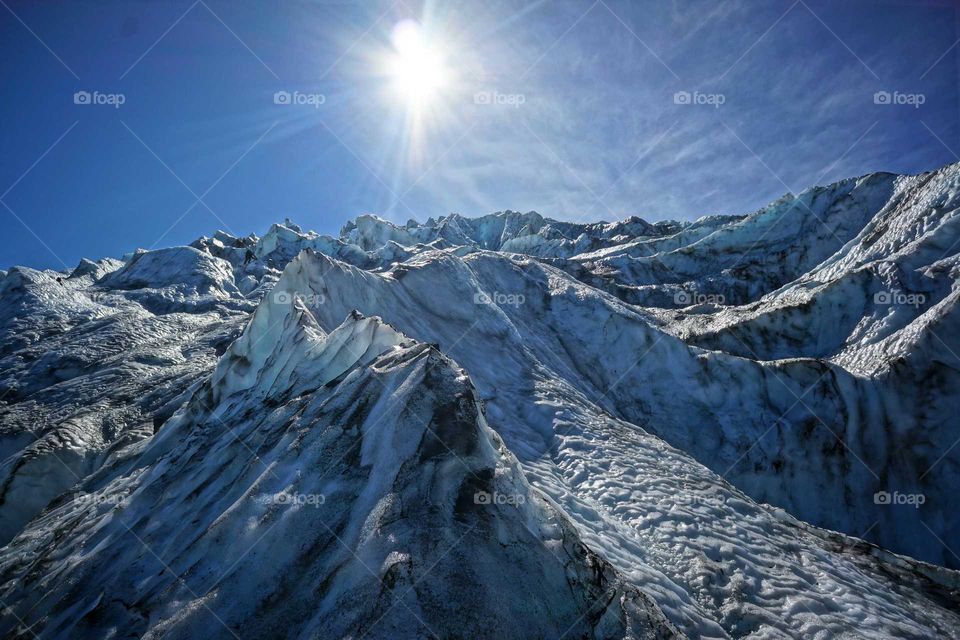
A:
509	426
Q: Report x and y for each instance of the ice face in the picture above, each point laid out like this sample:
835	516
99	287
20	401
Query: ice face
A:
507	426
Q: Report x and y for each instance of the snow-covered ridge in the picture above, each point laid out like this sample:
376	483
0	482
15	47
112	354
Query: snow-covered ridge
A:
220	437
411	482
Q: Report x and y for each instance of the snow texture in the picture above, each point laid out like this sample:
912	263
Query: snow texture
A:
499	427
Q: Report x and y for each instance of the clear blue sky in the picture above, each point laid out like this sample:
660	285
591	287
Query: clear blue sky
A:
582	121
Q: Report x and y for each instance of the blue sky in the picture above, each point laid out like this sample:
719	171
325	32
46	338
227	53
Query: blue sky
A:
580	110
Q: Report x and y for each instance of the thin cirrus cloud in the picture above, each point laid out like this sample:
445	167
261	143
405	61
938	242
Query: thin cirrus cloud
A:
567	108
797	85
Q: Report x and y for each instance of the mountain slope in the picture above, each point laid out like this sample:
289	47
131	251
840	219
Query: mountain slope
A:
607	430
393	501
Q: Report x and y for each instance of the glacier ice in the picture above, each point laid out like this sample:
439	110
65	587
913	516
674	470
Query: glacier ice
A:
504	426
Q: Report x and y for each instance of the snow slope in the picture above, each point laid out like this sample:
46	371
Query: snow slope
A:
502	427
346	512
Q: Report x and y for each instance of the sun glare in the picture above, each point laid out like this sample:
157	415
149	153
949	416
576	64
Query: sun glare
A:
416	67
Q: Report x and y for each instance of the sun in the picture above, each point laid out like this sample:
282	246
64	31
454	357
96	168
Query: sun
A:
416	66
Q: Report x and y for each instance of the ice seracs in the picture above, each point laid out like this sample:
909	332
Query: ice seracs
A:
376	501
504	426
